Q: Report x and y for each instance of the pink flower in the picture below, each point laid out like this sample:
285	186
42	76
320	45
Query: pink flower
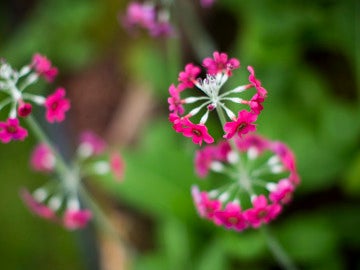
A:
117	166
205	156
42	159
256	103
177	122
256	83
43	67
138	14
56	105
76	219
94	144
283	192
220	63
187	78
175	102
206	3
198	132
285	154
232	217
261	212
161	29
206	207
24	109
36	207
11	130
242	125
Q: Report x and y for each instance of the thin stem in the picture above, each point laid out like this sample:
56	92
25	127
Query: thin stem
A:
103	223
277	250
60	165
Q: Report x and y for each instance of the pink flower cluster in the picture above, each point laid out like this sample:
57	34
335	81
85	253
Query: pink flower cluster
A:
14	83
254	193
218	69
147	16
59	201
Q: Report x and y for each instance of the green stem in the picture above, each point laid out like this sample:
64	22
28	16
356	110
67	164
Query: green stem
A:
201	42
277	250
60	165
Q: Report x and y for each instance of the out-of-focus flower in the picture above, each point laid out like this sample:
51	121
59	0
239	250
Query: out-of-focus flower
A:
76	219
11	130
259	177
42	159
43	67
91	144
207	3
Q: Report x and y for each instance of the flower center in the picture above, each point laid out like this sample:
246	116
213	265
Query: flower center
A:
11	129
196	132
241	127
233	220
262	213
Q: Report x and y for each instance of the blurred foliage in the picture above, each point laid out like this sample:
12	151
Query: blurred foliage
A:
305	53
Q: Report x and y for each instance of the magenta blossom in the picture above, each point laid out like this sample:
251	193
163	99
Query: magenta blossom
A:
76	219
43	67
175	103
36	207
232	217
262	212
56	105
42	159
187	78
11	130
197	132
256	83
207	3
220	63
24	109
282	192
242	125
205	206
91	144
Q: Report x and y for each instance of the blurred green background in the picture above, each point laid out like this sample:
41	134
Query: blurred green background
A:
307	56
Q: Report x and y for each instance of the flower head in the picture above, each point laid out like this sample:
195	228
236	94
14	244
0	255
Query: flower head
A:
212	97
56	105
11	130
91	144
254	186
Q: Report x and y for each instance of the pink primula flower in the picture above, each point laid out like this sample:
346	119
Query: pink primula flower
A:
138	14
42	159
37	207
43	67
117	166
56	105
94	144
11	130
256	83
205	206
198	132
241	125
207	3
232	217
283	192
76	219
175	102
187	78
220	63
262	212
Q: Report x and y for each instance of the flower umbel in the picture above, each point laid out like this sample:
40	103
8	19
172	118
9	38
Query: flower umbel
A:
212	97
259	181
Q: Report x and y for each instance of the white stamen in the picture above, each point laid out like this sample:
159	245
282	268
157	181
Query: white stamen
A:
204	118
24	70
193	99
